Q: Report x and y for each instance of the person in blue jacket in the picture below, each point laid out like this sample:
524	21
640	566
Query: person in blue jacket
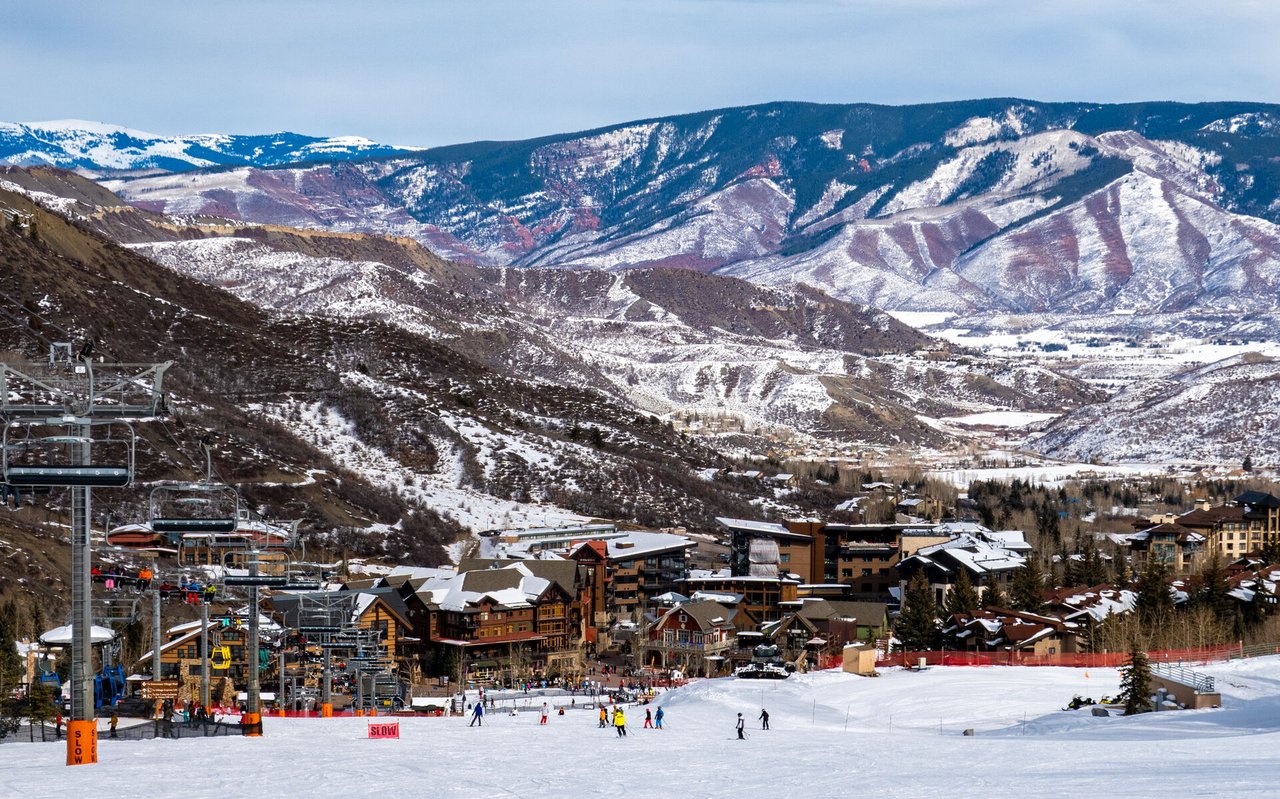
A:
477	715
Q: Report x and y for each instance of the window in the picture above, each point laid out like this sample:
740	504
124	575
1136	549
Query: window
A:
784	558
846	572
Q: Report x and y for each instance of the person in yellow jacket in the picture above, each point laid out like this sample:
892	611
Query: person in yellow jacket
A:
620	722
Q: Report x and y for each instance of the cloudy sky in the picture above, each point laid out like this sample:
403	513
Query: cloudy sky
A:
419	72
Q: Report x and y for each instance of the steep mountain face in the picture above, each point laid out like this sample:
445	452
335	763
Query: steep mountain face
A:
1217	413
101	148
990	205
662	341
381	438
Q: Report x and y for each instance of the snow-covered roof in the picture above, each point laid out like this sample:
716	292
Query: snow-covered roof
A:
973	553
751	525
61	636
510	586
641	544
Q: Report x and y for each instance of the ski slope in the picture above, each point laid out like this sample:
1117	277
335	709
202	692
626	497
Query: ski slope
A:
898	735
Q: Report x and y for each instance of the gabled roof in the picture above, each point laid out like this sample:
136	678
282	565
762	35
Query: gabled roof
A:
973	554
1212	516
1257	499
706	613
513	586
1179	533
565	573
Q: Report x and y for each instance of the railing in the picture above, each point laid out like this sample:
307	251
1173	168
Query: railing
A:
133	732
1202	683
1074	659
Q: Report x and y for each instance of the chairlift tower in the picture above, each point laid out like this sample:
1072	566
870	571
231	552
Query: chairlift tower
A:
54	414
255	582
324	615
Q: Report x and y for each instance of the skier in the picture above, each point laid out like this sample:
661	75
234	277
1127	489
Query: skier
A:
115	722
741	735
603	716
764	719
544	714
648	719
477	715
620	721
657	718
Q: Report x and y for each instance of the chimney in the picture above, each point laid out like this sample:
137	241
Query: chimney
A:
1202	503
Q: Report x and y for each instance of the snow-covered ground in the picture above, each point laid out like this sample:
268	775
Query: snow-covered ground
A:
898	735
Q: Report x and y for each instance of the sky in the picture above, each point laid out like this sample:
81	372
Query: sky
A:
425	73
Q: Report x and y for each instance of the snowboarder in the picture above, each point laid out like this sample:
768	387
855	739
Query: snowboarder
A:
544	714
648	719
764	719
657	718
477	715
620	721
115	722
741	735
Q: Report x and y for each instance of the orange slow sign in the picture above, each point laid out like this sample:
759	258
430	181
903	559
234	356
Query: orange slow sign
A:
385	730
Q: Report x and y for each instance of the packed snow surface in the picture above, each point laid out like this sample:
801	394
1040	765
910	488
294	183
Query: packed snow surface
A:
898	735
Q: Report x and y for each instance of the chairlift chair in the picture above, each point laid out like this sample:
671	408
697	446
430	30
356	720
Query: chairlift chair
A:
220	657
44	453
194	508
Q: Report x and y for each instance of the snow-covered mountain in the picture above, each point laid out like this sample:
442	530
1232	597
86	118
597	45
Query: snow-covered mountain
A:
1218	413
670	342
985	205
97	148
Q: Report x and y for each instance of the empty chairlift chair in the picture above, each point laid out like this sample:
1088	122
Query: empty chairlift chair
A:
50	452
182	508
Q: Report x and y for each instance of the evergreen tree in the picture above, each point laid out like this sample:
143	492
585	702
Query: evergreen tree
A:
10	663
1026	591
917	628
1213	590
1154	603
1048	526
962	598
1070	568
1094	569
1248	463
1135	683
994	597
1263	600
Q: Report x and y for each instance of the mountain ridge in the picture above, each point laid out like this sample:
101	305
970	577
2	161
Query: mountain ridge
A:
921	207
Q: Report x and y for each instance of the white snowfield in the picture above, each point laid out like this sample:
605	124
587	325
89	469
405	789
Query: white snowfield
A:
899	735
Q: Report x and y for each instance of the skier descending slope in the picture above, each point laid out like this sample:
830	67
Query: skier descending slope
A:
741	736
620	721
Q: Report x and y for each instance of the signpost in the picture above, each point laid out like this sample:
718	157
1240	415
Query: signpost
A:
160	689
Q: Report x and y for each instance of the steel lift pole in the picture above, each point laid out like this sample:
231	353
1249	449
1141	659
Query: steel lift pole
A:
82	732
